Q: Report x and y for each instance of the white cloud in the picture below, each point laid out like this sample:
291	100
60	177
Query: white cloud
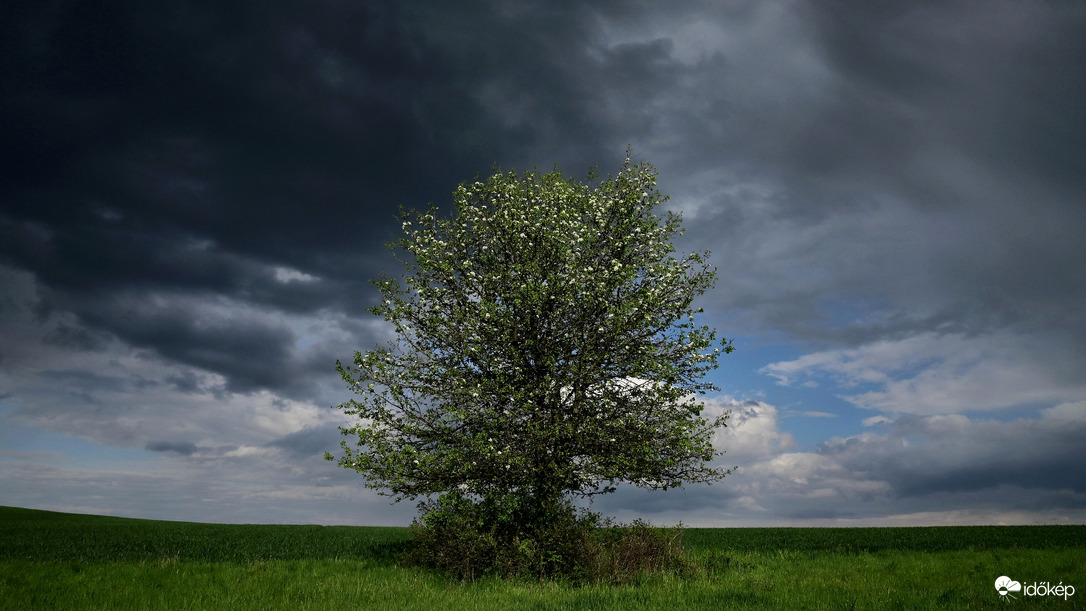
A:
1066	412
917	470
748	503
921	470
287	275
813	414
248	451
752	432
933	373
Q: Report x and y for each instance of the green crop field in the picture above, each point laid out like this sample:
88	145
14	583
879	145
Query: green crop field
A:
64	561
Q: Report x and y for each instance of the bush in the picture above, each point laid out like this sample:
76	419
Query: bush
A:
627	553
469	539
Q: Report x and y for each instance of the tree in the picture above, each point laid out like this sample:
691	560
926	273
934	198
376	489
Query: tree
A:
546	348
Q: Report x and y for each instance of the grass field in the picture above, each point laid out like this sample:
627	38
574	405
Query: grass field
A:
64	561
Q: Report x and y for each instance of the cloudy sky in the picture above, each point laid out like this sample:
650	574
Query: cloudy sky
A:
194	195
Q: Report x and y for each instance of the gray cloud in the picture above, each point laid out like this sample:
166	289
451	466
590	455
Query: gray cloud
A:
1029	454
308	442
885	188
194	197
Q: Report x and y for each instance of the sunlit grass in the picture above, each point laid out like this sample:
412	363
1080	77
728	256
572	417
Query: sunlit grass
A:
58	561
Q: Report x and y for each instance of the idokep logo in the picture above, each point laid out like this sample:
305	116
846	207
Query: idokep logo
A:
1006	586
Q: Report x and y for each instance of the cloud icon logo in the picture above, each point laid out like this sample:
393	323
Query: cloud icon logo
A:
1005	585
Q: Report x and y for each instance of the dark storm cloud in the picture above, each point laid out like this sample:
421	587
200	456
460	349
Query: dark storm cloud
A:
995	81
186	382
196	147
82	340
89	383
974	455
993	90
200	191
253	353
998	60
309	442
928	166
208	122
190	148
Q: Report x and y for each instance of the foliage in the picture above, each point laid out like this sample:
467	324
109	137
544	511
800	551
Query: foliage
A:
546	347
459	537
627	553
462	538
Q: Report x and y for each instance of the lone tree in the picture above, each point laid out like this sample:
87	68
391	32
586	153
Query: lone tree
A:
546	348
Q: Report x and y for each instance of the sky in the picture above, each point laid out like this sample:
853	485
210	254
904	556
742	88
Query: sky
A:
194	196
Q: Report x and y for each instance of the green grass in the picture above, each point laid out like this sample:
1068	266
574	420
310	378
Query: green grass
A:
62	561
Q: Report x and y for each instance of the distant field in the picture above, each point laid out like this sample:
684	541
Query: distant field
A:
64	561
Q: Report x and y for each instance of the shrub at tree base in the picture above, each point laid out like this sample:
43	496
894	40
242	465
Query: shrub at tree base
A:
628	552
468	540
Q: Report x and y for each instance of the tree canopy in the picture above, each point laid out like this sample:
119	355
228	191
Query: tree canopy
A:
546	346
